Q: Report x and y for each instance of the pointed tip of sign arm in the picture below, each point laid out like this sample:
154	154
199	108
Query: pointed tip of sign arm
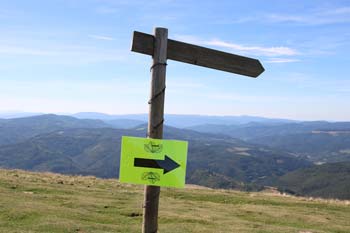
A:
201	56
262	69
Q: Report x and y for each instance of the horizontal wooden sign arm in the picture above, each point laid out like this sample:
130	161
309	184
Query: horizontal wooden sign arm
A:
197	55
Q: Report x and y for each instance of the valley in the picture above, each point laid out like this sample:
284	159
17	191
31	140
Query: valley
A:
246	157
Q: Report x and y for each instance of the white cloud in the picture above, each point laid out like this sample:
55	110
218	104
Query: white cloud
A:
107	10
246	49
188	39
99	37
18	50
285	18
338	11
319	17
310	18
307	20
256	50
63	54
281	60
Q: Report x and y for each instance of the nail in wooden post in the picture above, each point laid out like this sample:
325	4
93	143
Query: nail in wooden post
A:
155	123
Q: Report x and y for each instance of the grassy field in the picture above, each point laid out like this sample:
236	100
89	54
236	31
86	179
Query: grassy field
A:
45	202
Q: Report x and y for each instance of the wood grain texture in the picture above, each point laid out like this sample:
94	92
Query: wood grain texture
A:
201	56
155	122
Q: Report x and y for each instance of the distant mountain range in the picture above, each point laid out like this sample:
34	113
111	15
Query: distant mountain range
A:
178	121
183	121
244	156
19	129
318	141
17	114
92	147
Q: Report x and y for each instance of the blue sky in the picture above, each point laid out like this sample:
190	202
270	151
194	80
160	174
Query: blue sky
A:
67	56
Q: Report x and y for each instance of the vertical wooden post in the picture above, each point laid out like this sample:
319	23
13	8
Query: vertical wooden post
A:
155	123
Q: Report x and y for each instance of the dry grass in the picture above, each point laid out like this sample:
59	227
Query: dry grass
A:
46	202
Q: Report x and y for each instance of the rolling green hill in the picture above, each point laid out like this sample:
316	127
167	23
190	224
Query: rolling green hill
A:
19	129
88	147
253	130
317	141
96	152
317	146
328	181
46	202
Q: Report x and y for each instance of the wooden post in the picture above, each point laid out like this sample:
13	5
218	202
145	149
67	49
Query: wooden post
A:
162	49
155	123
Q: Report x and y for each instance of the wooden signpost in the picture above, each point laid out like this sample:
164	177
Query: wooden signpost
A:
161	48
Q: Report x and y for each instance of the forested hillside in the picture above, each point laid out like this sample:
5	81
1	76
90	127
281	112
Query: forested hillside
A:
92	147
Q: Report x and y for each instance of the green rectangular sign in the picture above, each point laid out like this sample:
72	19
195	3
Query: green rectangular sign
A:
155	162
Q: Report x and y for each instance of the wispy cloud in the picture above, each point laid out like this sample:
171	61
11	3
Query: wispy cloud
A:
281	60
285	18
317	17
306	20
338	11
245	49
257	50
107	10
62	54
99	37
19	50
310	18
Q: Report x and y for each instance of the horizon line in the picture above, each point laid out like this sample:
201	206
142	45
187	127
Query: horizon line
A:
29	114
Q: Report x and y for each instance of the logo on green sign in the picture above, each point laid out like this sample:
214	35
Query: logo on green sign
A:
153	147
152	177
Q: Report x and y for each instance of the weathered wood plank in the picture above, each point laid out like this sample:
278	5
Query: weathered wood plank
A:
201	56
155	122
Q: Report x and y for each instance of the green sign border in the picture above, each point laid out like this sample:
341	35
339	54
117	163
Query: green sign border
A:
152	149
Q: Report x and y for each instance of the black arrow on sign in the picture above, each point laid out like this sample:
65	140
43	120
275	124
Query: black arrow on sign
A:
167	164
